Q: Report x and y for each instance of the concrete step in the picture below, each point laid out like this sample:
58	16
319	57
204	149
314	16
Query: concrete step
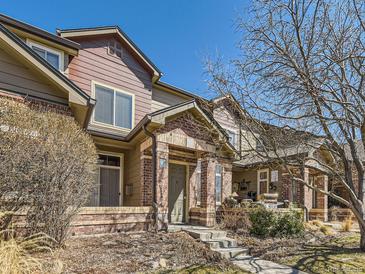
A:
232	252
221	243
206	235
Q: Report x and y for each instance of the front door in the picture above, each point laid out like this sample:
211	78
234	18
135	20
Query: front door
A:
109	186
177	182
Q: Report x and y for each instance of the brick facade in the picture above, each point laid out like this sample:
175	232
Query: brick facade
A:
205	212
146	180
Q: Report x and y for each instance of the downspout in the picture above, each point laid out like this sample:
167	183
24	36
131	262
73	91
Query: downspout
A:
91	105
154	172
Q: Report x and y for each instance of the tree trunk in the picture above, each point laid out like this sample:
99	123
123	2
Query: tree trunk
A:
362	237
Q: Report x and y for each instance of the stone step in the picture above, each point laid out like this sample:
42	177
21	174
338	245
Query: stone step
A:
206	235
221	243
232	252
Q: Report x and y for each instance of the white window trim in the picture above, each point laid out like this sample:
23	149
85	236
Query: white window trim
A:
60	54
93	85
267	171
121	172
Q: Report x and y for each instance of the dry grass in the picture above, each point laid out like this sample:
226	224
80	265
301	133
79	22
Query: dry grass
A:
326	230
347	224
17	254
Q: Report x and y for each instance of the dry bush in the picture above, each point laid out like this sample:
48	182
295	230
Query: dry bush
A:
347	224
317	223
235	219
326	230
47	166
17	255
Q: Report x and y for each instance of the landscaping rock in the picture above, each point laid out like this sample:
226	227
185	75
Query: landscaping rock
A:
163	263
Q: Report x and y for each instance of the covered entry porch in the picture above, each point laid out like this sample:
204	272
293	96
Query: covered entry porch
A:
273	186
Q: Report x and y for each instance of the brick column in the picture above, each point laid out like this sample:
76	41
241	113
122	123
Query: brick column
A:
208	191
322	200
308	192
146	180
226	180
162	152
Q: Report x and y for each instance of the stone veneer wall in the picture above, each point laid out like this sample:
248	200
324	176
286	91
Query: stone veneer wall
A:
97	220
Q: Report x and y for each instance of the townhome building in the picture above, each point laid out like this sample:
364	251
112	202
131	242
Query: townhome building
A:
158	145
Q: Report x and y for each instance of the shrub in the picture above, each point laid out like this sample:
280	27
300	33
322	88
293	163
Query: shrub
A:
235	219
230	202
261	220
47	166
288	224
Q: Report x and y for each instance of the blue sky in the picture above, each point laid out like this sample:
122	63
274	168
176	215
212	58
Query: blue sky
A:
175	34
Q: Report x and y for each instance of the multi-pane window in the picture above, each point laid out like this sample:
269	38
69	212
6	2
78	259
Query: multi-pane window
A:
50	56
218	184
198	182
113	107
115	48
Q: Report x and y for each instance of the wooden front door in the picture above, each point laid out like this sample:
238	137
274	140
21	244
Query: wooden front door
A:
109	186
176	193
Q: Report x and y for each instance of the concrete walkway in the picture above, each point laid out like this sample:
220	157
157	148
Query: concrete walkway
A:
218	241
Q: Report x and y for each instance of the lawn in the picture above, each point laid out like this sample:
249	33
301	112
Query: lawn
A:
312	253
334	254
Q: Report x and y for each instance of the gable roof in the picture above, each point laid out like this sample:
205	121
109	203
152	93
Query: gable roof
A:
69	33
76	95
13	23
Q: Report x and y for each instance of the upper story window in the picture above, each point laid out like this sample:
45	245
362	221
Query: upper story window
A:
53	57
113	107
115	48
231	137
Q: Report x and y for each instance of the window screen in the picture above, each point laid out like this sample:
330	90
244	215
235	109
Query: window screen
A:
104	107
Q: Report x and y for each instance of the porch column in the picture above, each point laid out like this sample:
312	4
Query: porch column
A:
226	180
162	152
322	200
146	180
208	190
307	195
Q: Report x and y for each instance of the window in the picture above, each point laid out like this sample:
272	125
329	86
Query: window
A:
198	182
53	57
231	137
115	48
314	193
218	184
262	181
113	107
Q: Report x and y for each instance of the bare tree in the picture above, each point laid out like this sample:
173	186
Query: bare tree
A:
302	68
47	166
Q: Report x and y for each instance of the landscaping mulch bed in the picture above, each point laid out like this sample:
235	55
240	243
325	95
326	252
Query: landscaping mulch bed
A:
137	252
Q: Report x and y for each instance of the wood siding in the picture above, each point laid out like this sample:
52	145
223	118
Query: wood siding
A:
227	121
18	78
95	63
162	99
